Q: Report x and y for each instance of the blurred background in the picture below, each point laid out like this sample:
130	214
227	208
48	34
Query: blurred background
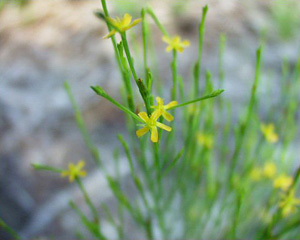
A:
43	43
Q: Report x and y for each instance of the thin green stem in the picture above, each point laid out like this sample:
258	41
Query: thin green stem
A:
81	125
160	26
212	95
102	93
197	70
174	74
88	200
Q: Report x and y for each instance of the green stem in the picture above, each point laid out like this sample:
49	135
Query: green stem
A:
212	95
244	125
144	30
8	229
174	74
88	200
160	26
102	93
139	82
197	71
81	125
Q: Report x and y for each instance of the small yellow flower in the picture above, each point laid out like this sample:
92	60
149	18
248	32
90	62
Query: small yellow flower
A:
255	174
269	170
122	24
74	171
175	43
151	125
289	203
283	181
268	131
205	140
162	109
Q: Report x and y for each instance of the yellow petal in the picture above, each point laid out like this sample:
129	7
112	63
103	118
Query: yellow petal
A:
154	134
82	173
166	39
142	131
169	48
64	173
163	126
81	164
180	49
126	19
112	32
143	116
185	43
160	101
156	114
111	21
71	178
167	116
171	104
135	22
176	39
272	137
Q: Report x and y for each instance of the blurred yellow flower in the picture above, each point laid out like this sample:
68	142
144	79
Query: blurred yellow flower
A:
255	174
205	140
175	43
151	125
269	170
122	24
161	108
289	203
74	171
268	131
283	181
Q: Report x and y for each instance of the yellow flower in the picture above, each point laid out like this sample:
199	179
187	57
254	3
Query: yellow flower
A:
269	133
74	171
151	125
175	43
122	24
269	170
255	174
289	203
205	140
283	182
161	109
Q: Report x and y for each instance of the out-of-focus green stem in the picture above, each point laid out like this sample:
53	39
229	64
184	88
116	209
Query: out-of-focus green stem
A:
81	125
160	26
244	125
174	74
88	200
197	70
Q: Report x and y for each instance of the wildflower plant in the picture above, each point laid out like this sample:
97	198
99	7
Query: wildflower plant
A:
190	181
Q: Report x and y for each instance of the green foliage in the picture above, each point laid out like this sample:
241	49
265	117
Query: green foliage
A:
287	17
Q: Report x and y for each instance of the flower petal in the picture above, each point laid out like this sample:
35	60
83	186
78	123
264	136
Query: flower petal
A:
163	126
154	134
112	32
169	48
185	43
142	131
81	164
171	104
166	39
135	22
143	116
167	116
126	19
156	114
160	101
82	174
